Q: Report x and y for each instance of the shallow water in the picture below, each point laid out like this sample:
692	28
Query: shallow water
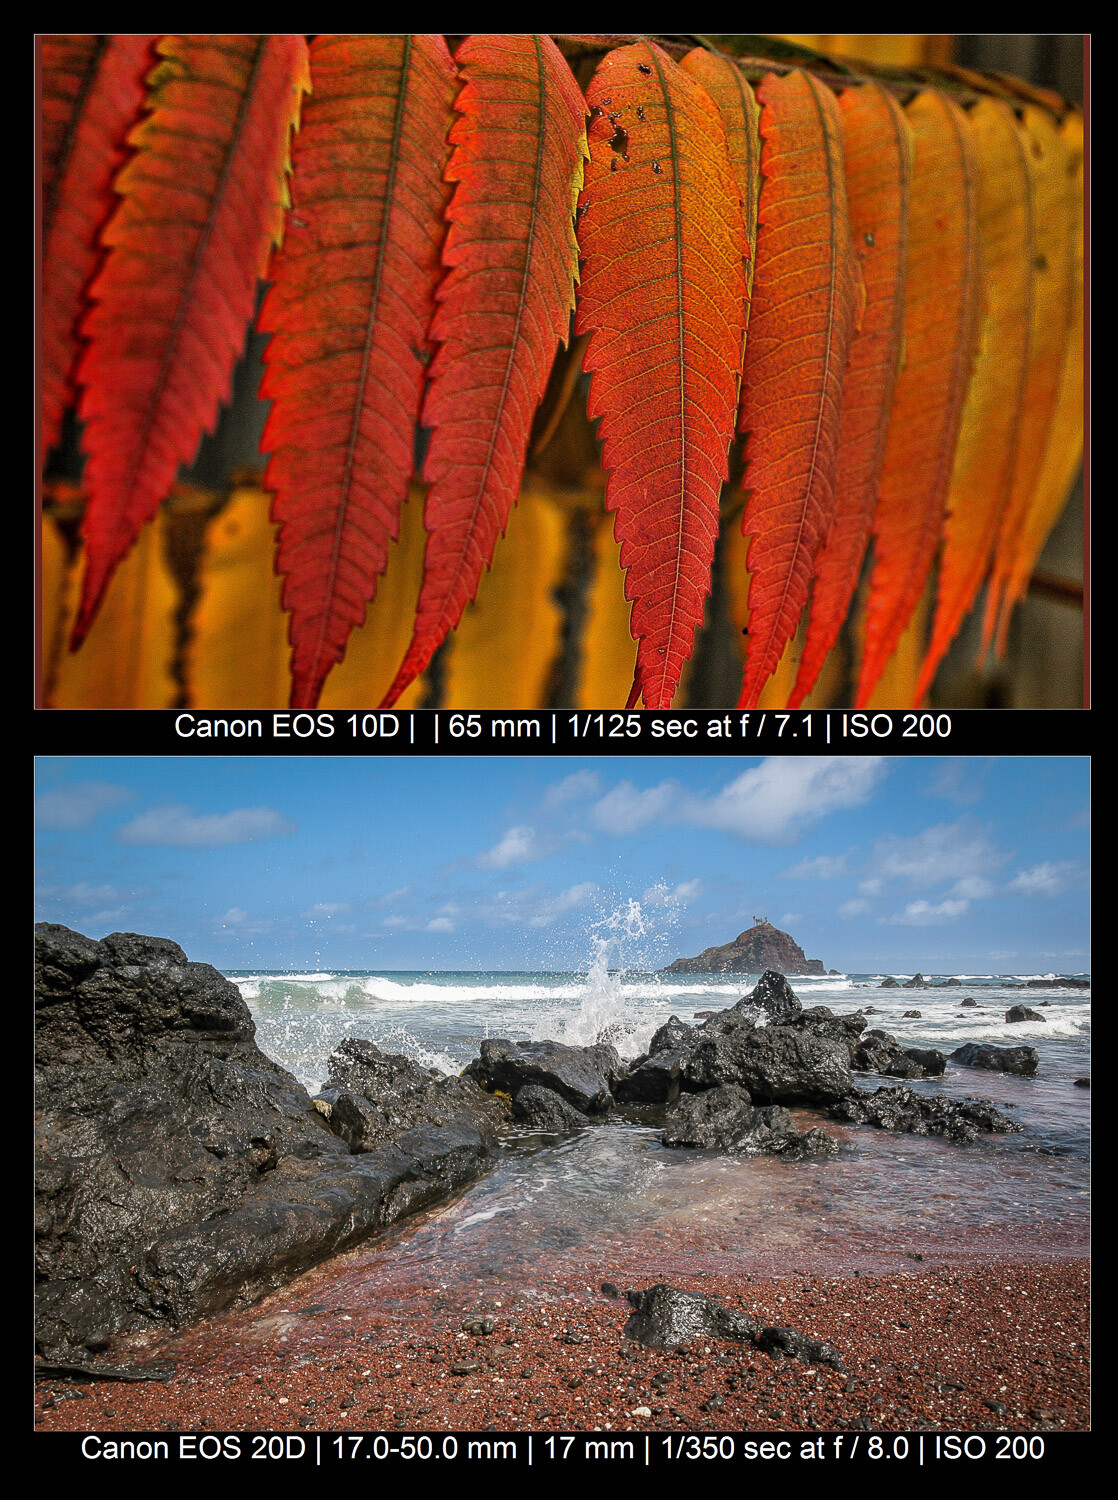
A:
611	1196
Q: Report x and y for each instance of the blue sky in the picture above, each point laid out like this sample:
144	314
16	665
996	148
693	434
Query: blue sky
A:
940	864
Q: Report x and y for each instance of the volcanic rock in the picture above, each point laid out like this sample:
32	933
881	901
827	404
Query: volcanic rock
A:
1020	1060
664	1318
751	952
917	982
902	1109
581	1075
771	996
889	983
372	1097
724	1118
776	1064
179	1170
1022	1013
970	1004
544	1109
878	1052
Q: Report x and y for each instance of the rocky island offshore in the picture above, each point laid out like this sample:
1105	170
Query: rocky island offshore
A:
759	948
181	1171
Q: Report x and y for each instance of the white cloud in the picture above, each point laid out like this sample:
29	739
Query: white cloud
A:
853	908
175	824
924	914
1048	879
233	917
66	807
519	846
84	894
973	888
821	867
626	809
663	894
789	918
322	911
439	924
948	851
768	804
571	788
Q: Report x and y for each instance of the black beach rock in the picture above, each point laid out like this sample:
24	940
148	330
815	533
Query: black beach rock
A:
544	1109
581	1075
970	1004
1022	1013
776	1064
725	1119
793	1345
917	982
372	1097
904	1110
878	1052
664	1318
889	983
771	996
1020	1060
180	1170
911	1015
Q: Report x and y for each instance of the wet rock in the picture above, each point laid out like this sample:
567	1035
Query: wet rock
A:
544	1109
1022	1013
917	982
793	1345
671	1036
889	983
822	1022
1020	1060
664	1318
581	1075
879	1052
1061	982
179	1169
902	1109
911	1015
655	1080
968	1003
1083	1083
771	996
724	1119
372	1097
775	1064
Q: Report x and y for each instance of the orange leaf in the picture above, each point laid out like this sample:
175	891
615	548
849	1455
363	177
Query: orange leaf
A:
878	159
352	297
805	291
202	203
504	307
988	437
940	333
727	86
1064	450
663	297
1049	161
93	88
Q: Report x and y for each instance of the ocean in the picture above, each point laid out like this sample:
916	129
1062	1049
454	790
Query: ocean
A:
551	1207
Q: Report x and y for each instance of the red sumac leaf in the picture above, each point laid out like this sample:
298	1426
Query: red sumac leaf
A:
351	302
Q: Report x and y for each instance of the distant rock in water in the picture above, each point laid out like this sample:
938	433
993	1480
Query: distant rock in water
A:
1022	1013
761	947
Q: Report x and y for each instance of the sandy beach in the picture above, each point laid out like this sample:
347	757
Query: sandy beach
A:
998	1346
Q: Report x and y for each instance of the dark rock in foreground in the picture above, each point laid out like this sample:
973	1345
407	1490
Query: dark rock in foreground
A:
793	1345
776	1064
1022	1013
904	1110
725	1119
752	952
664	1318
1020	1060
583	1076
179	1170
544	1109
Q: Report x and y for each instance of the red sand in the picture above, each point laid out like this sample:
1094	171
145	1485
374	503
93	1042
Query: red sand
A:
938	1348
